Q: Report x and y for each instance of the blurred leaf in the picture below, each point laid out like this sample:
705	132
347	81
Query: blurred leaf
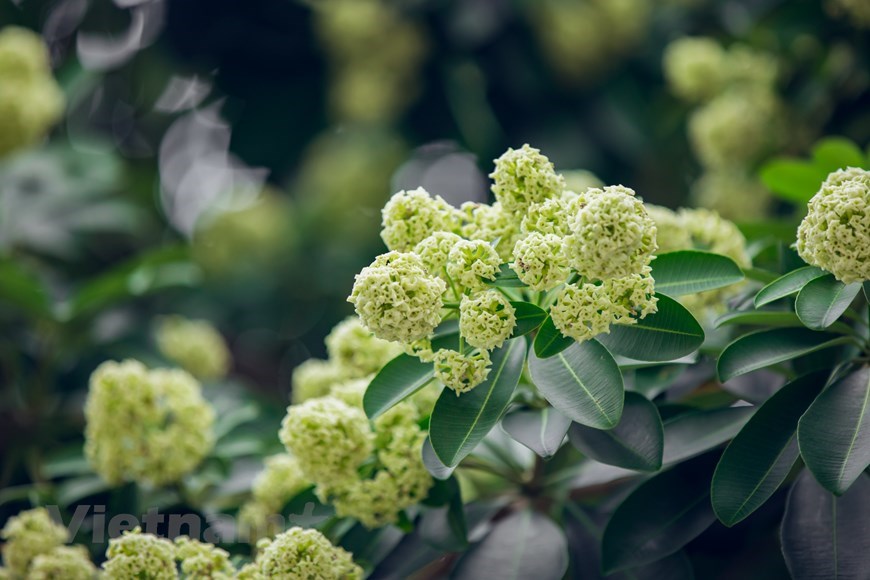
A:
529	317
787	284
768	318
234	417
399	379
637	442
823	300
460	422
833	153
525	544
444	527
690	434
583	383
658	518
693	271
549	340
66	462
834	433
541	430
824	536
670	333
23	290
768	347
76	489
792	180
760	457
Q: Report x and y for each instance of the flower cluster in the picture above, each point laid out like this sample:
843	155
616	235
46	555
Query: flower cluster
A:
200	560
549	235
701	229
279	482
138	555
195	345
299	554
582	37
67	562
27	536
835	234
737	122
160	414
30	99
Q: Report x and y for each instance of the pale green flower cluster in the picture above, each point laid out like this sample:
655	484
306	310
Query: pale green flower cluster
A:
195	345
200	560
471	263
356	350
329	438
314	378
701	229
434	251
300	554
486	320
27	536
30	99
397	299
152	427
279	482
857	11
524	176
581	38
409	217
735	194
375	54
611	234
548	217
136	555
579	180
835	234
461	371
540	261
67	562
490	223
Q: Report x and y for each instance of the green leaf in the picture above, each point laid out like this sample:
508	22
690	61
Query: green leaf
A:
444	527
541	430
583	383
434	465
690	434
792	180
787	284
834	433
768	347
824	536
636	443
525	544
22	289
768	318
399	379
760	457
529	317
658	518
670	333
506	278
549	340
833	153
693	271
867	291
459	423
823	300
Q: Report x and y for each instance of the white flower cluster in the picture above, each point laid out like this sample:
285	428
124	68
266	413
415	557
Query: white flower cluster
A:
444	262
738	120
835	234
299	554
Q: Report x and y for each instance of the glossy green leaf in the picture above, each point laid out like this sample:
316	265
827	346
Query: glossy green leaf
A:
792	180
787	284
769	319
506	278
583	382
823	300
459	423
695	432
525	544
22	289
834	433
768	347
434	466
549	341
399	379
693	271
824	536
541	430
658	518
833	153
637	442
670	333
760	457
529	317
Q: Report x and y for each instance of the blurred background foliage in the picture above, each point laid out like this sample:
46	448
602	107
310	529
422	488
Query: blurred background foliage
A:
227	161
